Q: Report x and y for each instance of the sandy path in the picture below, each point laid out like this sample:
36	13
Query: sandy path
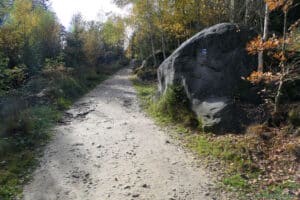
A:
108	149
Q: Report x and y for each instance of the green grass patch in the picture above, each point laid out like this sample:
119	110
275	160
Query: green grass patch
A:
232	153
279	191
18	149
172	107
24	132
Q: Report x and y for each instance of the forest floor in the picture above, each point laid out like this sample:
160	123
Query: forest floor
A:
107	148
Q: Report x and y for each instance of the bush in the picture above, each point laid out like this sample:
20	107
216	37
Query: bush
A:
175	104
294	117
63	104
147	74
12	78
32	122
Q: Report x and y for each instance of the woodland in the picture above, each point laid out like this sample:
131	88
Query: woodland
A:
45	68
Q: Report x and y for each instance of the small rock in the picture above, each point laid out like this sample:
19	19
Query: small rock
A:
3	163
78	144
127	187
145	186
297	133
168	142
128	194
135	195
207	194
296	151
75	176
267	135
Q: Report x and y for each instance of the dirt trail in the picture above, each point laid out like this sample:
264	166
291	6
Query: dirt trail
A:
108	149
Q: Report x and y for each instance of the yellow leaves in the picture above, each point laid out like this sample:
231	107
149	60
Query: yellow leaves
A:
258	45
258	77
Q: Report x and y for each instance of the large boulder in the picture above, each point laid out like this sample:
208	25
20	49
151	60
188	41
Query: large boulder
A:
210	66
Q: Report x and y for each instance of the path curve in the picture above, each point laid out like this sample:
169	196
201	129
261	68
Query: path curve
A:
108	149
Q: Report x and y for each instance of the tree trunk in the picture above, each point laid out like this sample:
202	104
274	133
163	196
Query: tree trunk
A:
198	14
284	32
265	35
284	69
153	49
278	94
232	11
151	29
163	44
246	19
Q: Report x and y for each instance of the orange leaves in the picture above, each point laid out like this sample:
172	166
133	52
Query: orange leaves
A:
255	45
258	45
258	77
272	43
280	56
274	4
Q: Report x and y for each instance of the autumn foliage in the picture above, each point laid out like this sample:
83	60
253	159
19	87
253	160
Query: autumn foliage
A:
259	77
257	44
275	4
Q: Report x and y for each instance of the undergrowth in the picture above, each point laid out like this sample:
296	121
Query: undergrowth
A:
238	156
172	107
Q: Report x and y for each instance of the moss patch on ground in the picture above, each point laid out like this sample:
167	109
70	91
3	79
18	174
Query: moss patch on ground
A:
247	163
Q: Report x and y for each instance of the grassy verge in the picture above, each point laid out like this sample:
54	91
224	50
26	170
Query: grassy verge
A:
242	168
18	155
24	131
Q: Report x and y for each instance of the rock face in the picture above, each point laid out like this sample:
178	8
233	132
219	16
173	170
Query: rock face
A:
210	66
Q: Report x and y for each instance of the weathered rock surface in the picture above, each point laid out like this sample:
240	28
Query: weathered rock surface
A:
210	66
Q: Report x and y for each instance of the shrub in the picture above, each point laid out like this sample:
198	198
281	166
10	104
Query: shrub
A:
294	117
12	78
63	103
146	74
175	104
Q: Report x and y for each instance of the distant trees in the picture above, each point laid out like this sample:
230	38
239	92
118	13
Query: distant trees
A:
165	24
30	35
89	42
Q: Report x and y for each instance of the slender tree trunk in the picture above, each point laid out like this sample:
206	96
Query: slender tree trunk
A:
198	16
153	49
232	11
284	32
265	35
151	34
284	71
246	19
278	94
163	44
